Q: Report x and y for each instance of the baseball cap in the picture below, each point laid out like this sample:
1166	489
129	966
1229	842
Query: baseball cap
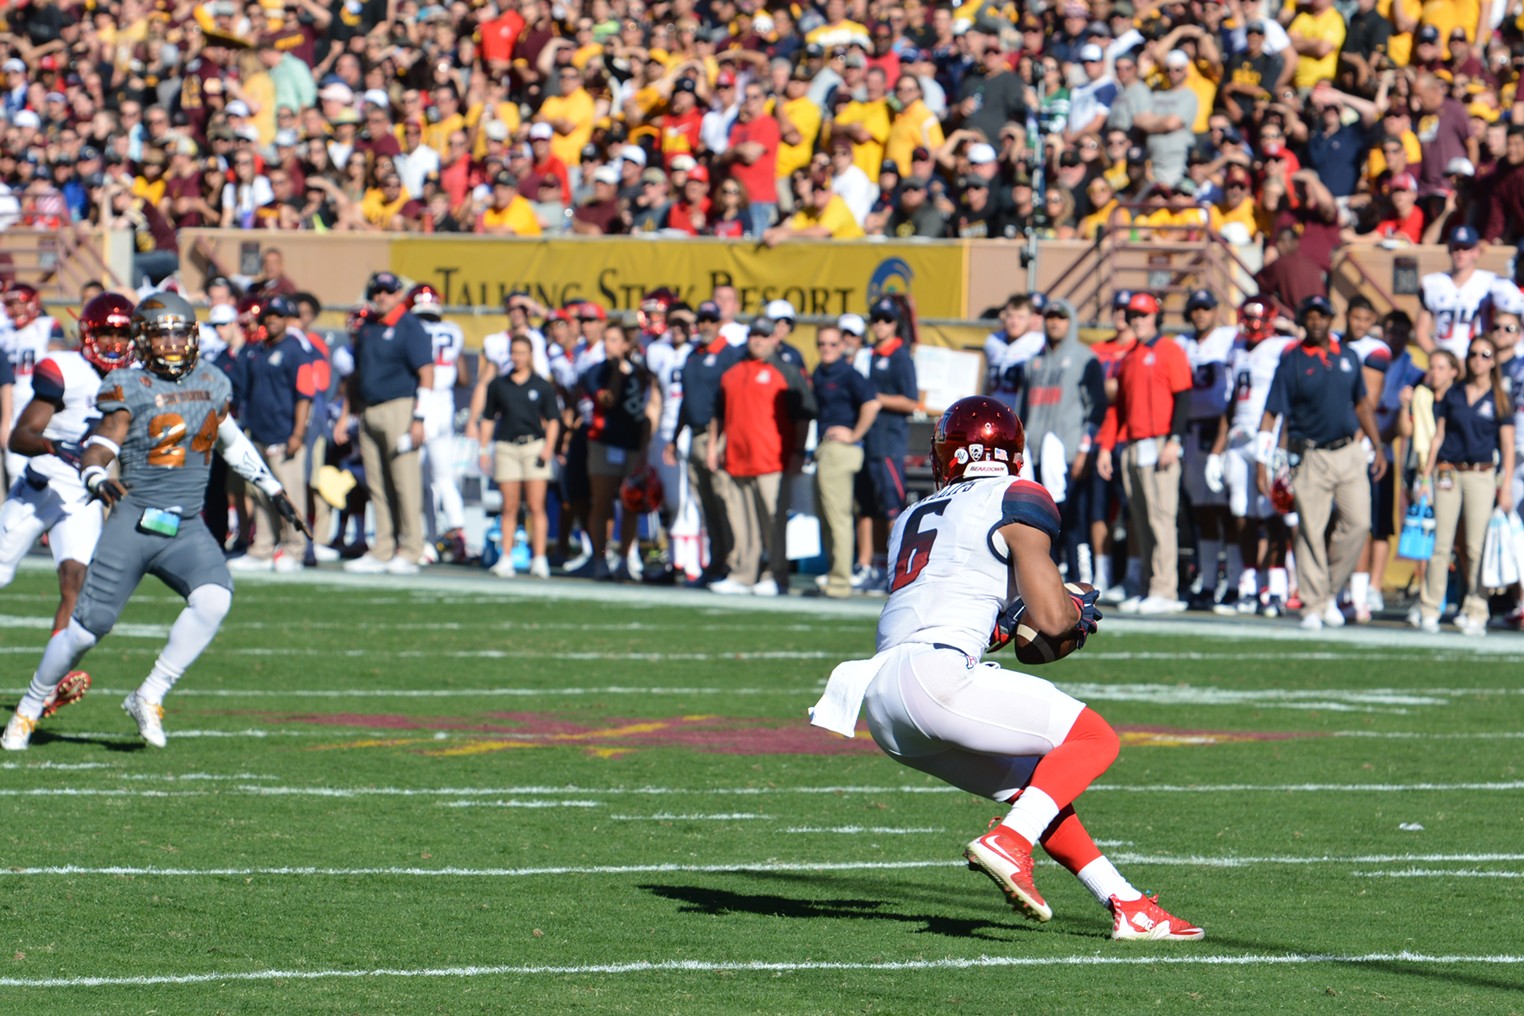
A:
1136	155
1120	299
1200	298
919	155
14	66
1404	181
498	131
1039	300
633	153
684	164
1255	28
222	314
973	183
1316	302
539	132
853	324
1091	53
685	85
762	325
725	80
587	310
653	175
698	173
505	179
914	183
889	166
1069	158
884	309
1482	111
780	310
1177	58
1056	309
279	306
285	138
235	108
1428	33
1460	166
376	97
1458	34
606	174
345	115
336	92
1143	303
1274	150
708	311
981	154
27	118
1464	236
382	282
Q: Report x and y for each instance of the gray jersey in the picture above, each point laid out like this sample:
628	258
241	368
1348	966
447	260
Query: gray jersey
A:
167	454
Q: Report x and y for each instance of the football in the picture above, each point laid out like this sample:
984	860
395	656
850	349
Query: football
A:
1033	648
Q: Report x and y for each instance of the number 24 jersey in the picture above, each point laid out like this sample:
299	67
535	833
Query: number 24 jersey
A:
951	569
172	437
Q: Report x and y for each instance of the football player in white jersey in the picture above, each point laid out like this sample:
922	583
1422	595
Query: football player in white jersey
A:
1256	555
49	496
26	343
664	359
1208	347
439	425
1453	302
1363	337
972	559
1006	351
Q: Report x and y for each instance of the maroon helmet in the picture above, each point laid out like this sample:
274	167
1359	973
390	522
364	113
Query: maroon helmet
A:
105	332
642	491
251	311
977	436
425	301
1256	319
1282	496
23	304
653	309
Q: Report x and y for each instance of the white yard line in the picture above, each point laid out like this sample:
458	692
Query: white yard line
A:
1153	959
1439	873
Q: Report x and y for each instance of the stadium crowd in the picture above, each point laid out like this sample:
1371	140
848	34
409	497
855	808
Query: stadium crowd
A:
1388	121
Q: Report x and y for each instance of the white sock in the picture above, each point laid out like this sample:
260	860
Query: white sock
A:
65	649
1280	583
1086	568
1359	588
1103	572
189	636
1031	815
1248	583
1291	566
1209	551
1103	880
1233	578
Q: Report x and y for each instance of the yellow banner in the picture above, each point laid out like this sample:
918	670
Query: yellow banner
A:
824	278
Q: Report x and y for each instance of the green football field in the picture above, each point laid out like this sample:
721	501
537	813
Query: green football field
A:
467	796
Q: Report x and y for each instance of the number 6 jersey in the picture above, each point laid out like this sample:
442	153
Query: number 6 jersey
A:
167	455
952	570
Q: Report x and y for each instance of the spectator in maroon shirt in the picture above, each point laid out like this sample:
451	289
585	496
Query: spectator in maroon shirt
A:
1505	187
601	216
1290	278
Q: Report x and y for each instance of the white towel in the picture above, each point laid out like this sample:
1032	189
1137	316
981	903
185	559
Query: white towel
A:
843	699
1055	467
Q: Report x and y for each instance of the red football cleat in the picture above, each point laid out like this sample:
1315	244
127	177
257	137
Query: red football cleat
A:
69	691
1005	858
1144	919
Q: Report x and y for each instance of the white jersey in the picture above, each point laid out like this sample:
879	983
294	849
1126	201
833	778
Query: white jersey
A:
68	381
563	371
26	347
1003	362
1457	310
1210	394
1371	352
952	572
1507	298
665	361
1253	370
448	342
495	350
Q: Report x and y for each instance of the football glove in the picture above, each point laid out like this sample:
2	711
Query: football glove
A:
288	512
100	485
1005	625
1089	614
1214	473
69	451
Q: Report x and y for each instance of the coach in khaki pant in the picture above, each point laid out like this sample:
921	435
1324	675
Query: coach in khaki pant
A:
1150	413
274	396
846	405
1319	393
393	386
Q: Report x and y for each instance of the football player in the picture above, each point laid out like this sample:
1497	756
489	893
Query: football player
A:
439	423
29	339
48	497
1208	347
1453	302
162	423
1257	552
975	552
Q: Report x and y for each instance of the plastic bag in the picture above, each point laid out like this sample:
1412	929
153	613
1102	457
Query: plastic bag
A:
1417	540
1500	562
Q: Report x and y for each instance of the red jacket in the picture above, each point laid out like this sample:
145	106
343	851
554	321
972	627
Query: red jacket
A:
760	401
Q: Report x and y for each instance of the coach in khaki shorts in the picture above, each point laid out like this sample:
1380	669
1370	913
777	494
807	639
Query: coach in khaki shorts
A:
846	406
392	387
525	422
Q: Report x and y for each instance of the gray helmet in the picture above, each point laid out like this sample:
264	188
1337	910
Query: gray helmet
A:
165	314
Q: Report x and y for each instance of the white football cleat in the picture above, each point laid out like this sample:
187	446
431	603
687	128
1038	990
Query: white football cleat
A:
1312	622
324	554
18	733
285	564
402	566
503	569
1158	605
250	563
148	717
366	564
730	587
1144	920
1333	617
767	587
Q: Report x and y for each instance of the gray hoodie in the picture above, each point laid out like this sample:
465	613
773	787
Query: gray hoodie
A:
1064	394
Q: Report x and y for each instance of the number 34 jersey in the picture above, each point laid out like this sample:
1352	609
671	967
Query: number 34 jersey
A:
167	455
952	570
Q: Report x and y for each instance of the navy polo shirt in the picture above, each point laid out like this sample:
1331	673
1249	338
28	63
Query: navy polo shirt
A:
1471	428
267	386
7	372
840	392
789	355
389	352
701	382
1338	157
1316	391
892	372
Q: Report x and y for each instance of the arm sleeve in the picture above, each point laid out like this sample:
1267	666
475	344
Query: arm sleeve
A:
1093	396
1181	417
47	382
241	457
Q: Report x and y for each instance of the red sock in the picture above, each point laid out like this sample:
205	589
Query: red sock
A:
1068	842
1087	751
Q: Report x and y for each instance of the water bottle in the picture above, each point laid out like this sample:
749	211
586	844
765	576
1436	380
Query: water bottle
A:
492	543
520	552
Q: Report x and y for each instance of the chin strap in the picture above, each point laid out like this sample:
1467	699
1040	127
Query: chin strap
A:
242	459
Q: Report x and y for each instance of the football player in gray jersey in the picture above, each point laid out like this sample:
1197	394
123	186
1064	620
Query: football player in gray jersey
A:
162	423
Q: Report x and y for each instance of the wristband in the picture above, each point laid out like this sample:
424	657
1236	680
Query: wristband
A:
97	474
1264	446
104	442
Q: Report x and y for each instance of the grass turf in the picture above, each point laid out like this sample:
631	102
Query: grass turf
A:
451	800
